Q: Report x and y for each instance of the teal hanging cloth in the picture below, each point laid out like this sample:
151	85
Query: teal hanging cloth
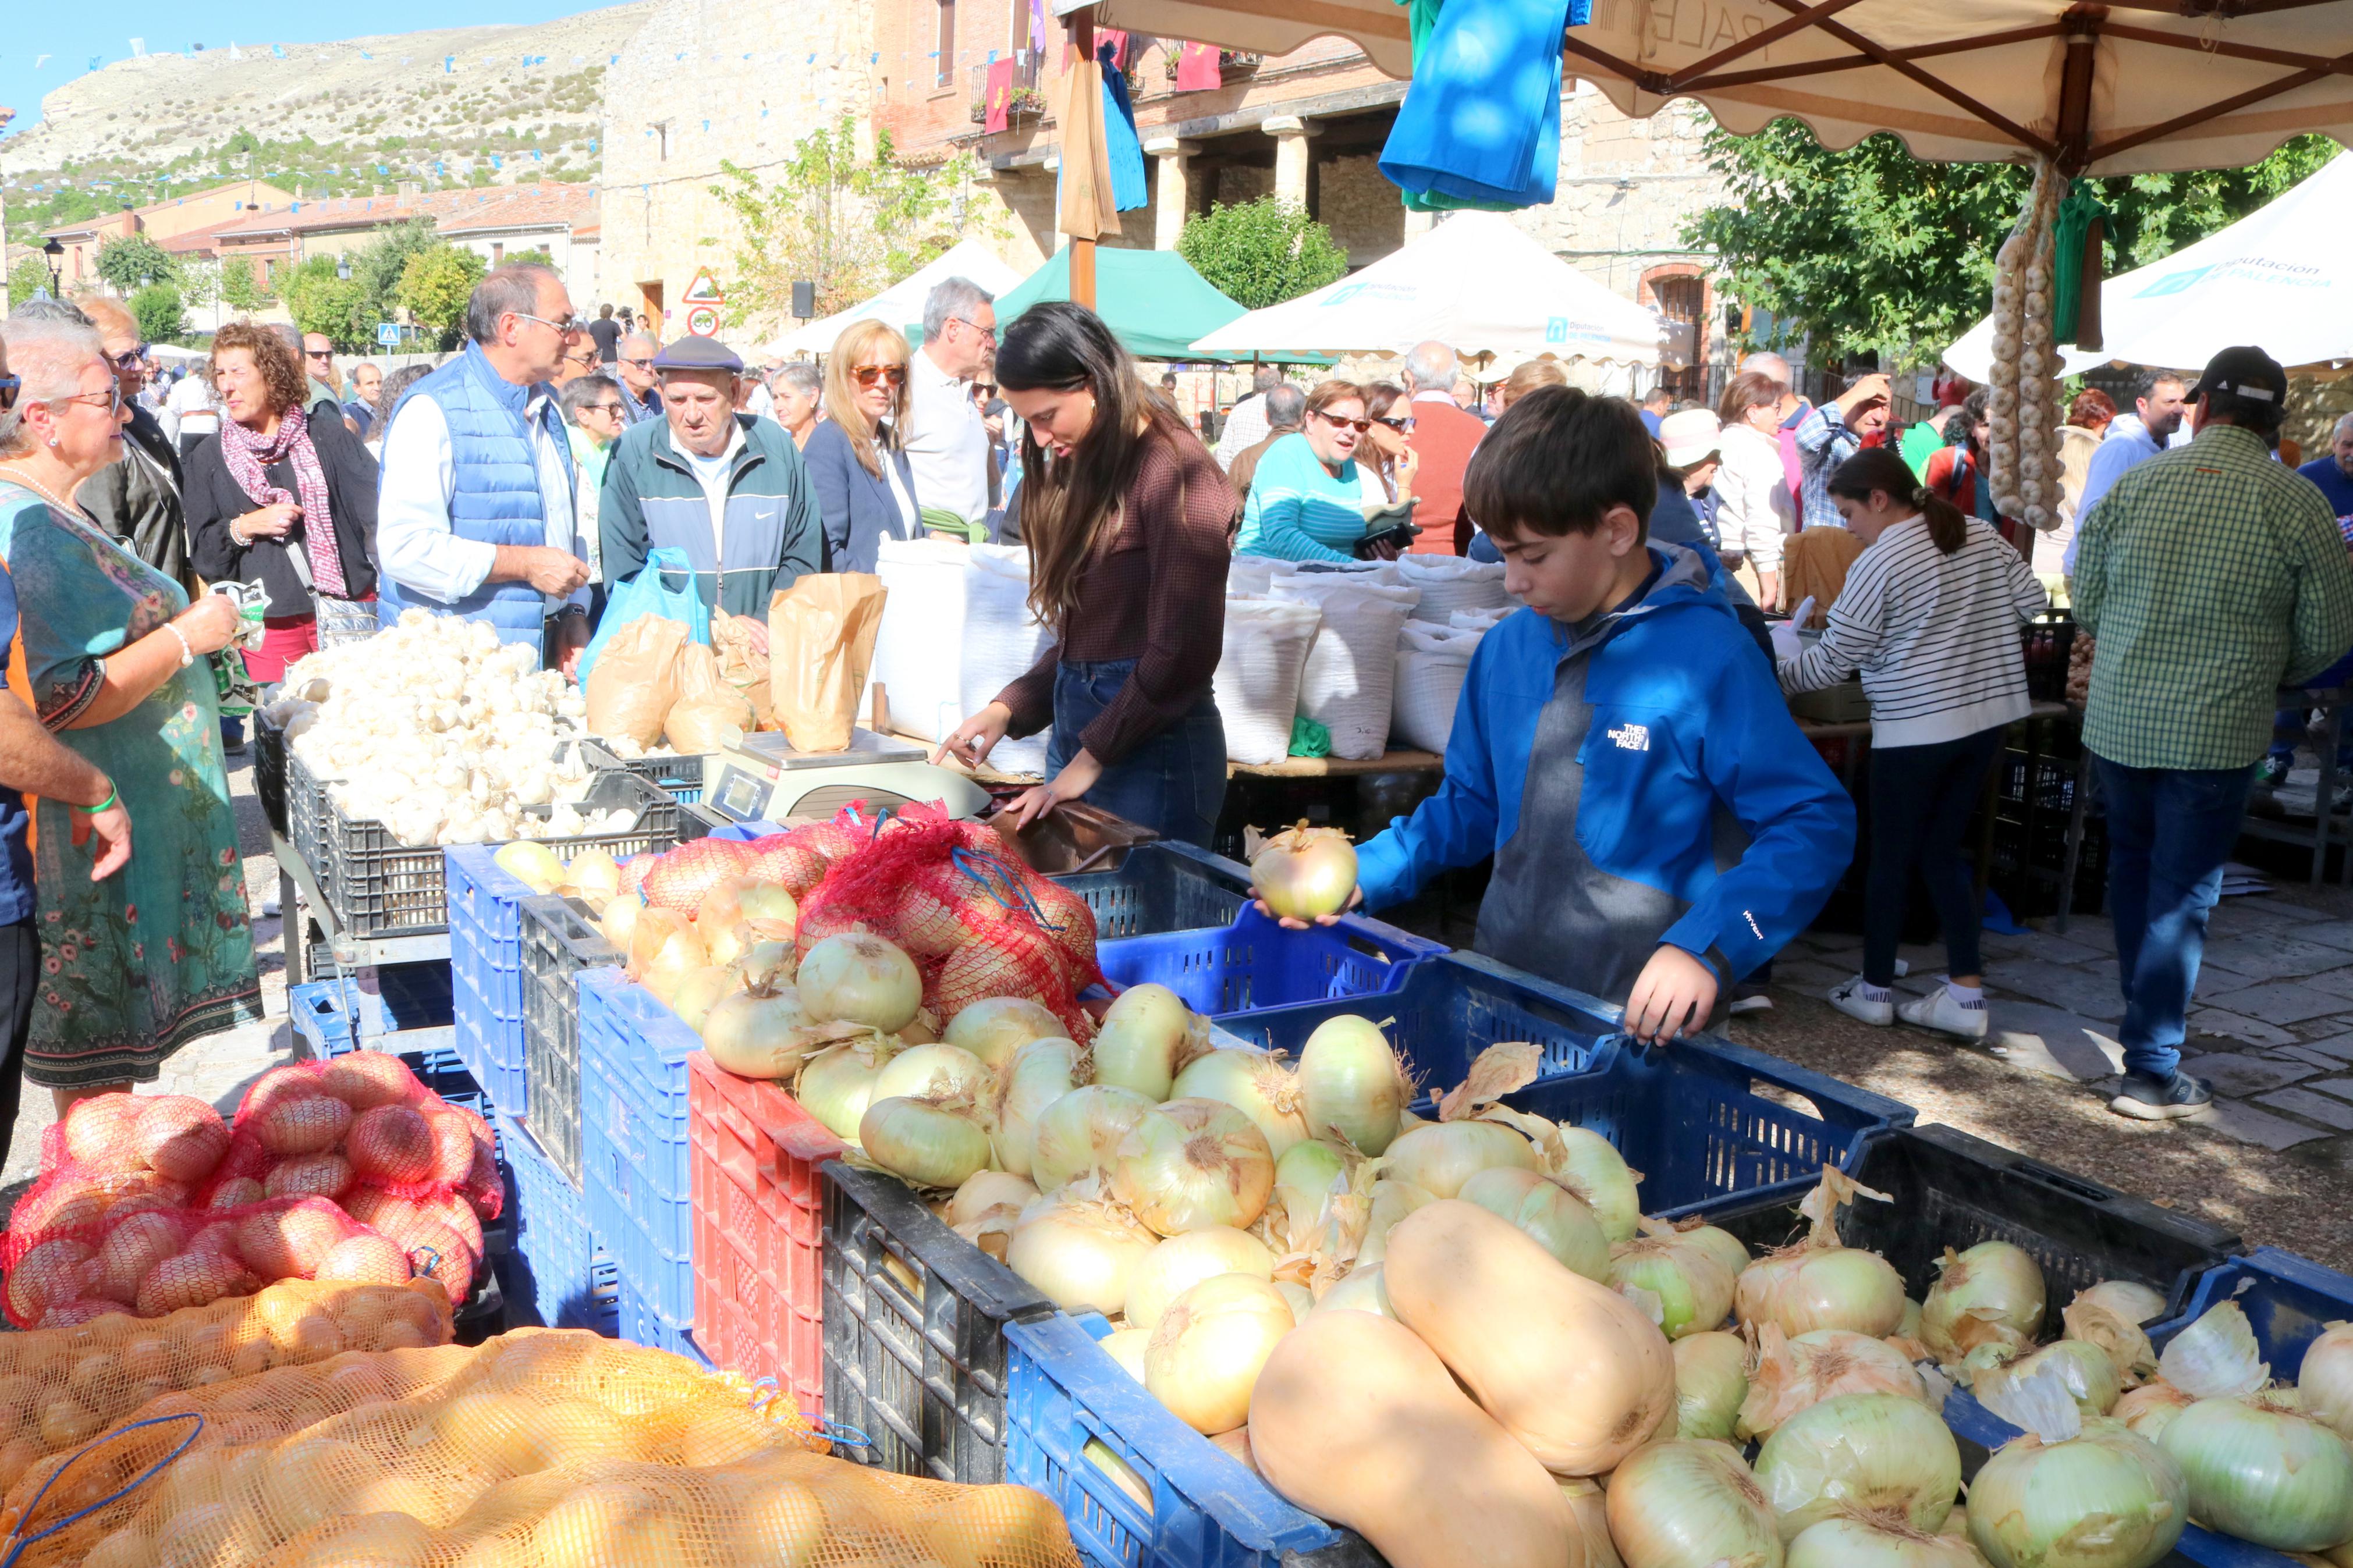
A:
1128	191
1480	126
2077	238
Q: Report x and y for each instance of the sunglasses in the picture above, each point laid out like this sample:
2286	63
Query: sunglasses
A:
8	387
1399	424
318	353
612	408
640	363
1358	426
868	374
129	358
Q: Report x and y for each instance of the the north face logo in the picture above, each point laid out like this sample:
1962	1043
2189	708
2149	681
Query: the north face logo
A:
1630	737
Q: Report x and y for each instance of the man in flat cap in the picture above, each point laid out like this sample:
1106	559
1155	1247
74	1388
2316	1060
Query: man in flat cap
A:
727	489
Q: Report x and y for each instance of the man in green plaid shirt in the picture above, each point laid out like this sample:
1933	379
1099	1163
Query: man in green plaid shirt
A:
2211	575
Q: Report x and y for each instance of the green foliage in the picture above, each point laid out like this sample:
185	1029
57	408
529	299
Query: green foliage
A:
1872	251
435	285
537	256
241	287
162	319
200	284
1263	252
133	261
321	303
29	276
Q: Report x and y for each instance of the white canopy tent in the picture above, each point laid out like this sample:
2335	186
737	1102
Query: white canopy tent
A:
2275	279
900	303
1477	283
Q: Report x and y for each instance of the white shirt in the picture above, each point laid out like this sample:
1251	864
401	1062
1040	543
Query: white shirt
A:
762	403
1246	427
713	474
899	493
192	409
948	445
1753	505
413	543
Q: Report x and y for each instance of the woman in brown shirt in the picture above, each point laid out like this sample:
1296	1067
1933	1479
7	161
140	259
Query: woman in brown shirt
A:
1128	520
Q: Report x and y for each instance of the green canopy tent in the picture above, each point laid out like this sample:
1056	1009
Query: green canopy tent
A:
1152	300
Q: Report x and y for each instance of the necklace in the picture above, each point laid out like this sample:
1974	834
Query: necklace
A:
40	489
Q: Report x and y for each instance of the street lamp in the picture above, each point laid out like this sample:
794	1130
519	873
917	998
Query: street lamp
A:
343	268
55	252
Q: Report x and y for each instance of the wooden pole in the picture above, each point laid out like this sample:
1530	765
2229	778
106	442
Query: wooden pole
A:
1081	30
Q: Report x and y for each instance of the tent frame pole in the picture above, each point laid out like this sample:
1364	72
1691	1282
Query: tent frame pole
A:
1080	30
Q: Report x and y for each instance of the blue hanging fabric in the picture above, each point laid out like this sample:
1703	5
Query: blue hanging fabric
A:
664	586
1126	149
1481	125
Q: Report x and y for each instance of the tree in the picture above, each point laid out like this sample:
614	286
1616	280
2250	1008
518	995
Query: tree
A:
133	261
320	301
1872	251
160	315
435	285
29	276
241	288
377	265
538	255
1263	252
200	284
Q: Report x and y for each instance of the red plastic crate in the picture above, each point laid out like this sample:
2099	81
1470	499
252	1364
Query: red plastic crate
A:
759	1219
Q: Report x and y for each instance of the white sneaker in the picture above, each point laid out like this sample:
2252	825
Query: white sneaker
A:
1938	1011
1848	998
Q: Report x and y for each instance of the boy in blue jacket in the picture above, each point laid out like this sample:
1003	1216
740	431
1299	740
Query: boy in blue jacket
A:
1660	828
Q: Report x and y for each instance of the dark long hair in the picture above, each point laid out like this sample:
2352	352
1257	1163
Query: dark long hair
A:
1879	468
1057	346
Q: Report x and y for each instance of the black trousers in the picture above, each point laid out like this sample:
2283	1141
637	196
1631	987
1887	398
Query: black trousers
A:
20	977
1921	800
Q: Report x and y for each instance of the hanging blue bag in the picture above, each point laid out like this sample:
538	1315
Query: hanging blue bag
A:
665	587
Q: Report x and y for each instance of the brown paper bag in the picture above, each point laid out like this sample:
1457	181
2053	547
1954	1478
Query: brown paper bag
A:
635	680
820	645
710	715
741	665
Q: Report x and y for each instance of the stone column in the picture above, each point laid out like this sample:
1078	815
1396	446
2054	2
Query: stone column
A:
1289	133
1170	193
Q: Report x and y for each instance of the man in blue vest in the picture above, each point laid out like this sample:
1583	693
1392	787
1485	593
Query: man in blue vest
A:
475	514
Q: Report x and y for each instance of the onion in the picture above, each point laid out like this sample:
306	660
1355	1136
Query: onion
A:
2128	1348
1721	1245
2133	1303
1303	871
1870	1544
620	923
769	963
1392	1202
1989	1294
1440	1157
1711	1381
663	943
1590	1167
1192	1164
1126	1346
1255	1083
2215	1357
985	1210
2325	1379
1811	1287
1302	1300
2090	1376
1360	1291
996	1029
1793	1374
734	900
2107	1496
924	1071
1588	1504
1694	1293
1352	1084
2264	1473
1079	1134
1038	1074
859	978
758	1033
1078	1252
2152	1407
1546	1210
1303	1178
1690	1504
695	991
1144	1037
924	1142
1861	1452
837	1084
1181	1262
1209	1346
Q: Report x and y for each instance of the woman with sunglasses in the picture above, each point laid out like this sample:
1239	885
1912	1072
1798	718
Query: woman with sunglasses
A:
1125	515
1307	497
140	964
859	471
138	499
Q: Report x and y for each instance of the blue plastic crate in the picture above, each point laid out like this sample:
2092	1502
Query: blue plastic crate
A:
1162	886
1206	1509
1254	964
556	1275
486	961
633	1128
324	1012
642	1322
648	1231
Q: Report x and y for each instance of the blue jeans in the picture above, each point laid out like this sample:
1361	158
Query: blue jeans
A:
1173	784
2170	831
2291	725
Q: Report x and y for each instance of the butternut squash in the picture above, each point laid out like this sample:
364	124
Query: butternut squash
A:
1573	1370
1356	1421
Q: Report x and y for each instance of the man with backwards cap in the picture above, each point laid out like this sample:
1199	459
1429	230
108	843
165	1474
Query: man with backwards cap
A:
727	489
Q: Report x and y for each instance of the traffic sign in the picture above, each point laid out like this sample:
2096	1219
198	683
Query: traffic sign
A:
703	290
702	322
388	334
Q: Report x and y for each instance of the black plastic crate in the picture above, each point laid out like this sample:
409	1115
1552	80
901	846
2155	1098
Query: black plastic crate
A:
2048	640
270	770
306	820
2052	792
678	776
384	887
914	1332
1163	887
1951	1190
560	938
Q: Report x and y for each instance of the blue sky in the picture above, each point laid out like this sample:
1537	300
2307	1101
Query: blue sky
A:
72	34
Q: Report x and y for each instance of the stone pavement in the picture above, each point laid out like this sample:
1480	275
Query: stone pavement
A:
2272	1028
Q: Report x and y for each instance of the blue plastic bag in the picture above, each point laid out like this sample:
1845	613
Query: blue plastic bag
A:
652	593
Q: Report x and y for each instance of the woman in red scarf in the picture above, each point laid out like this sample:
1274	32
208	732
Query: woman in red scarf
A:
277	499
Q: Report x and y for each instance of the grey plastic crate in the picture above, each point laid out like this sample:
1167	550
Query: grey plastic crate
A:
560	938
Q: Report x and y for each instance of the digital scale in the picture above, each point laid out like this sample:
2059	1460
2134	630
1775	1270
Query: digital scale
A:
763	779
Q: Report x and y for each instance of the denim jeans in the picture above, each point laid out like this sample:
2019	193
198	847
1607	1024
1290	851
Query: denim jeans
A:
1173	784
2170	831
2293	725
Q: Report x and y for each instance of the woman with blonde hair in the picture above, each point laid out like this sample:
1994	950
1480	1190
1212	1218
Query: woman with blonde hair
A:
859	471
1529	374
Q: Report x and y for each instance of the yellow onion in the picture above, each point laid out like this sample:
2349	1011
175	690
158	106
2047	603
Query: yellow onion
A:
2150	1408
1590	1506
1078	1252
663	943
758	1033
1126	1346
1809	1288
996	1029
1989	1294
1351	1085
1038	1073
2085	1369
1794	1374
1711	1381
693	993
859	978
837	1084
1686	1503
1440	1157
985	1210
1181	1262
924	1142
1391	1201
1192	1164
597	874
2325	1379
931	1071
1861	1452
1079	1134
769	961
2264	1473
2215	1357
1359	1291
618	925
2125	1346
1870	1544
2135	1303
1255	1083
2073	1488
1693	1292
1590	1167
1546	1210
734	900
1206	1351
1721	1245
1303	1178
1302	1301
1144	1037
1303	871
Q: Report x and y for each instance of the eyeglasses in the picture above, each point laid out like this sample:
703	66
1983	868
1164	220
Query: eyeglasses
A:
612	408
868	375
543	321
113	395
975	326
129	358
318	353
638	363
9	387
1358	426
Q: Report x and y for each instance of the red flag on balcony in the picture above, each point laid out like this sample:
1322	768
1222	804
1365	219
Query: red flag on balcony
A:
1197	68
1000	95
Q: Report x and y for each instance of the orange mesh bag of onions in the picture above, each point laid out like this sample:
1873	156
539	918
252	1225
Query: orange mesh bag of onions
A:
60	1387
542	1448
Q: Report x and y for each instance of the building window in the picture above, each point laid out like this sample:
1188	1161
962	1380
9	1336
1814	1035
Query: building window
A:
1683	301
946	44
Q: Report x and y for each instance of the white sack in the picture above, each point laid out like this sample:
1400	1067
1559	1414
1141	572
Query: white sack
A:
1450	583
1001	641
1432	664
1248	576
1351	672
1257	683
1480	620
918	650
